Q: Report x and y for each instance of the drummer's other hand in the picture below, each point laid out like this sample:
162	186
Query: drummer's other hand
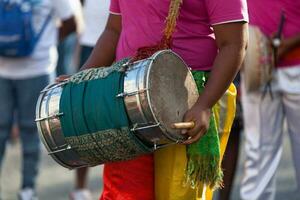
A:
201	117
61	78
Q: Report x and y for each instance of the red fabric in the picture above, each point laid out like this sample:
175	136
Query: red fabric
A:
129	180
291	59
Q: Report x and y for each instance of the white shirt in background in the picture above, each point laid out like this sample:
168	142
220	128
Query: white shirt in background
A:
44	58
95	14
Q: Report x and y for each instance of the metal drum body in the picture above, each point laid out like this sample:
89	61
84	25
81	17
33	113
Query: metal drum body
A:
49	127
158	91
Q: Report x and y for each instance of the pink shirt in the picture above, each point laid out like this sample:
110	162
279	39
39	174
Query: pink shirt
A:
266	15
143	22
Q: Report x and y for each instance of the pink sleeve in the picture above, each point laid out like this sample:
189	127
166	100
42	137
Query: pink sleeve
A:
114	7
220	11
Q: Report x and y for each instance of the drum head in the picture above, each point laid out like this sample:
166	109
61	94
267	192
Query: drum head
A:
258	60
172	91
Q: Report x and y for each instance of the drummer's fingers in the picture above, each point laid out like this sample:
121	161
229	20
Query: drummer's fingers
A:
195	138
184	131
61	78
196	129
186	118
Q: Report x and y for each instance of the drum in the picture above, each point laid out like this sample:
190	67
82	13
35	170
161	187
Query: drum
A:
258	63
116	113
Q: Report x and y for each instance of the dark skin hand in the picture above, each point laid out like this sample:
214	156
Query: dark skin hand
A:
231	40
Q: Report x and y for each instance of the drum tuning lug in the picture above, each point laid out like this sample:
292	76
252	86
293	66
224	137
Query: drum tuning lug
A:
121	95
125	94
49	117
136	127
47	89
155	141
60	150
82	166
125	65
155	146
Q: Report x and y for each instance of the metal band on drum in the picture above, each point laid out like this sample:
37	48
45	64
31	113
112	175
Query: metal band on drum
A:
138	99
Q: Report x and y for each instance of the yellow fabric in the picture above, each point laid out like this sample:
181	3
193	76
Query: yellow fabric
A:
170	162
226	104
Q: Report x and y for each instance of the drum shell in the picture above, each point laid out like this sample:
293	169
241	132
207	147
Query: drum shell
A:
138	92
50	131
258	62
140	106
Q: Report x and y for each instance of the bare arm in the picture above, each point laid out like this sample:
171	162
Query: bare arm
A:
67	27
104	52
231	39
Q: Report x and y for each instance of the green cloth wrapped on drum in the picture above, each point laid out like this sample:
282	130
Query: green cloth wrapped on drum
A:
98	137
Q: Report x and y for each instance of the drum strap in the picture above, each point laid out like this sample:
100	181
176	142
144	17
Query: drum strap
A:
268	86
166	41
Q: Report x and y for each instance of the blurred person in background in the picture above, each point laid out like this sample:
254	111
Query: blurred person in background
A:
265	110
68	47
26	70
95	15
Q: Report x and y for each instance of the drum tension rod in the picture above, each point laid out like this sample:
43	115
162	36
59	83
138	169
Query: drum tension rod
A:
82	166
130	63
56	86
136	128
125	94
49	117
165	145
60	150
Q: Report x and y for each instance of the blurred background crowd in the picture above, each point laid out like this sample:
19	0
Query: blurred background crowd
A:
68	31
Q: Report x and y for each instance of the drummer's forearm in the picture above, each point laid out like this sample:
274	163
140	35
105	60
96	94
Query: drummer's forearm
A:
104	51
223	73
227	64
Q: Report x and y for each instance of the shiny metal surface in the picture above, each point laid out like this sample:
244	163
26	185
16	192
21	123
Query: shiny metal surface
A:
144	109
157	92
138	107
49	128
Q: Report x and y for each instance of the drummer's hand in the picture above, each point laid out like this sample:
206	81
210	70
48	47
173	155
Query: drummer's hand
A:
201	117
61	78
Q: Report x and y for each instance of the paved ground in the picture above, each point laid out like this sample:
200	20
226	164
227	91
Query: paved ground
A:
55	182
286	182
